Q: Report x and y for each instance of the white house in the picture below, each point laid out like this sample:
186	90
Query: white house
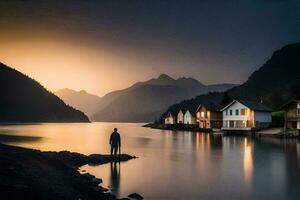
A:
169	119
180	119
188	118
245	115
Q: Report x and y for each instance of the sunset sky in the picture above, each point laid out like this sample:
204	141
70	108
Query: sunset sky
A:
100	46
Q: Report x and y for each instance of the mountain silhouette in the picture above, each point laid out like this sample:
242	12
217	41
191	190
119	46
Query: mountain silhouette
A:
79	99
25	100
145	101
276	82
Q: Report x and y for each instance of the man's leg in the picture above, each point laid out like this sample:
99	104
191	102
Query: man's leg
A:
116	151
111	151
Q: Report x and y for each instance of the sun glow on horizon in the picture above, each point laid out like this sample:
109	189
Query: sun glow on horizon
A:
58	64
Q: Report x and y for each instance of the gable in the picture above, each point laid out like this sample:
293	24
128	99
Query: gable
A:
235	105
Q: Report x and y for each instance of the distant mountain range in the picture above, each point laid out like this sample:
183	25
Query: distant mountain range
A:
145	101
23	99
79	99
277	81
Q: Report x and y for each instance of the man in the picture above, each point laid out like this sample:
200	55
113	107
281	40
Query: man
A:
115	143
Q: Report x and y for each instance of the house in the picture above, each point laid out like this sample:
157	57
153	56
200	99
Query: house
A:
292	115
169	119
188	118
180	118
245	115
208	115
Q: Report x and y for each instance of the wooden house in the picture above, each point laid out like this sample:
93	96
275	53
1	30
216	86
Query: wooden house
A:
169	119
209	116
292	115
180	117
188	118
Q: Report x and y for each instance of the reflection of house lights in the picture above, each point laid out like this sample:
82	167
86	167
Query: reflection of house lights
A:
248	162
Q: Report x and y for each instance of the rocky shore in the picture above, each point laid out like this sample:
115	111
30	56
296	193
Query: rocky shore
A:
33	174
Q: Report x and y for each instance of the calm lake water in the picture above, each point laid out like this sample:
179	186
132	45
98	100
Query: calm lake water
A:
178	165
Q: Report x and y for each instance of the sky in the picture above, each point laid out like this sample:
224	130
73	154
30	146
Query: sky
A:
106	45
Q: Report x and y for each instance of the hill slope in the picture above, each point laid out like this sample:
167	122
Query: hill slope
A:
145	101
23	99
277	81
79	99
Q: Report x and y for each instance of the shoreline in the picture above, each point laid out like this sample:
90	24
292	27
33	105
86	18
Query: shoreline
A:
275	132
177	127
34	174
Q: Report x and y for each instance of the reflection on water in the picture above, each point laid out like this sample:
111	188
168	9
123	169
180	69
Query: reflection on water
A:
248	161
4	138
178	165
115	177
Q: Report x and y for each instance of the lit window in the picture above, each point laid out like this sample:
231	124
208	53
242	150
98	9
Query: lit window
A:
202	114
243	111
244	124
237	112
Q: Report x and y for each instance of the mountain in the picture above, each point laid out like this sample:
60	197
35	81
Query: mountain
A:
79	99
277	81
145	101
25	100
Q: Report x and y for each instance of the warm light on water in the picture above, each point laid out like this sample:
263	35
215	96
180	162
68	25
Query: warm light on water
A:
178	165
248	161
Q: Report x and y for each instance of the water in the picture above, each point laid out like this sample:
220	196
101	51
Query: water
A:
178	165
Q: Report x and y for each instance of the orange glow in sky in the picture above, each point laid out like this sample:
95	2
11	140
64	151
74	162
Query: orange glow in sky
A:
63	63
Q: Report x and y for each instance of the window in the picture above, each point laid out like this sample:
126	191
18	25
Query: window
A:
298	111
237	112
243	111
244	124
231	124
230	112
202	114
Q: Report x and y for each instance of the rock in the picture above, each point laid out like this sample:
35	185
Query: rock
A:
136	196
88	176
100	188
96	181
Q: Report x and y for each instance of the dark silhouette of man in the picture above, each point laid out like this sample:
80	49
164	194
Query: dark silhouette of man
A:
115	143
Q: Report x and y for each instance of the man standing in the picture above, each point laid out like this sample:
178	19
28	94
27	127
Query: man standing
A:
115	143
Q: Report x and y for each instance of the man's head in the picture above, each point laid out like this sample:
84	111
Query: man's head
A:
115	129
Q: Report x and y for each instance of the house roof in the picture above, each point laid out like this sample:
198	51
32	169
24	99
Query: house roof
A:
186	111
289	102
181	111
250	104
169	114
210	106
